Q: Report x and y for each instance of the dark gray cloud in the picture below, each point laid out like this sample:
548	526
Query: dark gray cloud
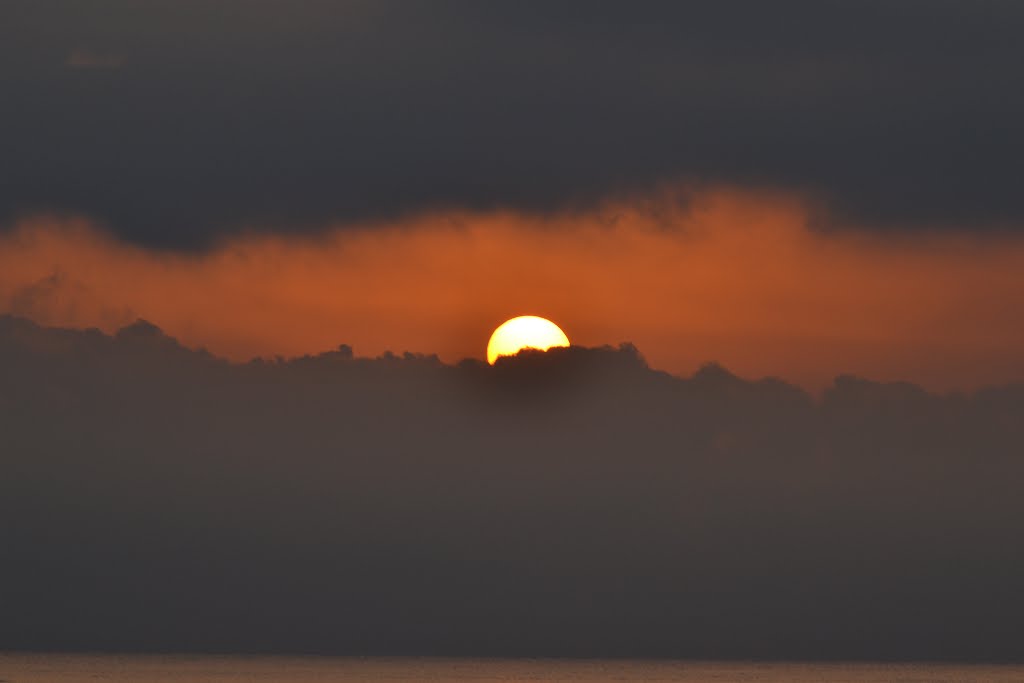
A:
225	113
573	503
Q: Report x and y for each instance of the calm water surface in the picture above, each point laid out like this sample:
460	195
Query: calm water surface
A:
20	668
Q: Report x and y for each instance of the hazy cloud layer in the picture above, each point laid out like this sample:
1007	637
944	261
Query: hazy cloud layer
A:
231	113
735	277
573	503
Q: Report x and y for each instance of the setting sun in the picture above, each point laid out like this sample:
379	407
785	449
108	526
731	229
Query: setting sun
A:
524	332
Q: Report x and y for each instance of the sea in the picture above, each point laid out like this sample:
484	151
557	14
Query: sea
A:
51	668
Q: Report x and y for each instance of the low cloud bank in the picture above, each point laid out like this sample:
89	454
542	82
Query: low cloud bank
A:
568	503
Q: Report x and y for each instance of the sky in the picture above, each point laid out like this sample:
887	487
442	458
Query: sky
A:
264	179
251	252
450	161
733	277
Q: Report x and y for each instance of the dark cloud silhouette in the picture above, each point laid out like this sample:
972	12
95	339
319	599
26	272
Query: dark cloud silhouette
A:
568	503
251	113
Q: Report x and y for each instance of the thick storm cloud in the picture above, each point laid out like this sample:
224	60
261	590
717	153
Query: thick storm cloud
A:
177	121
569	503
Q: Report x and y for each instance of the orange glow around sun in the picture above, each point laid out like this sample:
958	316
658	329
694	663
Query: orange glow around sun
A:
736	277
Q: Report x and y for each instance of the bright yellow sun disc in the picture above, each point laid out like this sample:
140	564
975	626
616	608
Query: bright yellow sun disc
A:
524	332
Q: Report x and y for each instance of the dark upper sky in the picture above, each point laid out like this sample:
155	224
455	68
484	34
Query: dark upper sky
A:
177	121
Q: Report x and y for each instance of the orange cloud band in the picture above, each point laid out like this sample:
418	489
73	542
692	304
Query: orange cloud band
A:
729	276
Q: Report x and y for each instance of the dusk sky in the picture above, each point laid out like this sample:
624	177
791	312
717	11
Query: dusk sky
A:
794	189
785	240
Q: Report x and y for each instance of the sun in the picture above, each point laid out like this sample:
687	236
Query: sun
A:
524	332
